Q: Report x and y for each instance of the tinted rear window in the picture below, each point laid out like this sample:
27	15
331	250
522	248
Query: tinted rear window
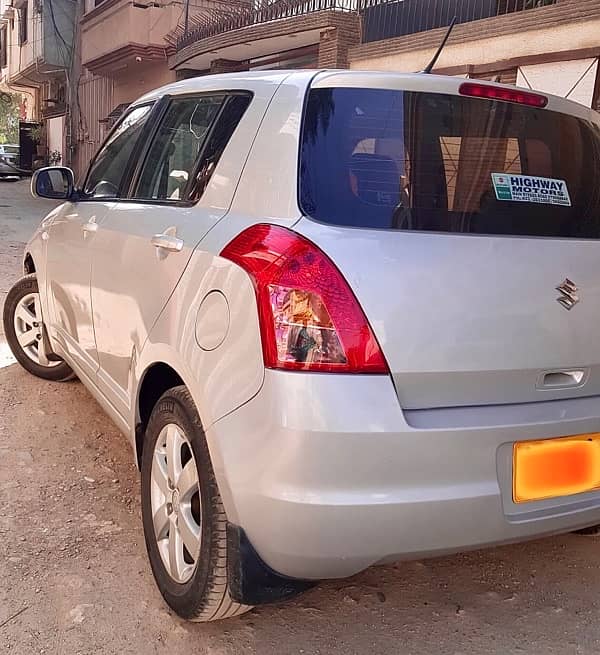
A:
419	161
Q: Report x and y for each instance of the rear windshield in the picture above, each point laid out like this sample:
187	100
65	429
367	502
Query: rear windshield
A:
423	161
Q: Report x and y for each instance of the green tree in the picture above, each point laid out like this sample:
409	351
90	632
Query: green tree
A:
9	118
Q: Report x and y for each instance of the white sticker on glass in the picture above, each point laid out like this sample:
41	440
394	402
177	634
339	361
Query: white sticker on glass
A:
527	188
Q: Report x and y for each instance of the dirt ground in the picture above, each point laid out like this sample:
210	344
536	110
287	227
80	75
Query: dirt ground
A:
74	577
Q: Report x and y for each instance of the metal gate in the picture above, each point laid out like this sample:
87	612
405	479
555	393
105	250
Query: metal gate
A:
96	99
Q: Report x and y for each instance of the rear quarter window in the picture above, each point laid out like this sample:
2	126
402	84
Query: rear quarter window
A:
389	159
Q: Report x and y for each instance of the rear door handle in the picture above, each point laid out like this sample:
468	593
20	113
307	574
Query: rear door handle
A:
167	242
563	379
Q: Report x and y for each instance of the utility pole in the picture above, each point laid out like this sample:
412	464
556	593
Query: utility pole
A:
73	118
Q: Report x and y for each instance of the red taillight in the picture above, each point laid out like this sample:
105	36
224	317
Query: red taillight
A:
477	90
310	320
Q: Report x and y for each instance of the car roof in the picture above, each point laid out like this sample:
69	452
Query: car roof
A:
324	78
246	80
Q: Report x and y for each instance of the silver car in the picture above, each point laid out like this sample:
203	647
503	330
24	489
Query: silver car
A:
9	160
343	318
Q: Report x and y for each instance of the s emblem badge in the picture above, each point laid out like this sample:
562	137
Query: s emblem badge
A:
568	294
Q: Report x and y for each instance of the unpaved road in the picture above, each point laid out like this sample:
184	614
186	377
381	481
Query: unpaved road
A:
72	558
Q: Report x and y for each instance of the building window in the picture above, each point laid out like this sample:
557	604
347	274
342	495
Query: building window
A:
23	24
3	47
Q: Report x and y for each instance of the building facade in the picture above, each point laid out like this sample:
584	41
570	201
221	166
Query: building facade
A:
80	64
36	53
552	45
122	55
125	53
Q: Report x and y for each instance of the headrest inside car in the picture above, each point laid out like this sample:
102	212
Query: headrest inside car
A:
377	179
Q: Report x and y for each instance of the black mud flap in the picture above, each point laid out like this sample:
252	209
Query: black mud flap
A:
52	357
251	581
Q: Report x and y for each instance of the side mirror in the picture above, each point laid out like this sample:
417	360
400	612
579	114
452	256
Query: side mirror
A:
54	182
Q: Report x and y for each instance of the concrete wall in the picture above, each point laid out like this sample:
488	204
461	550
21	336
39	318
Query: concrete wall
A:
573	78
136	80
484	50
553	49
122	23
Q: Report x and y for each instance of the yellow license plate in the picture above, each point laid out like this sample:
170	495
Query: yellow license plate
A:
556	467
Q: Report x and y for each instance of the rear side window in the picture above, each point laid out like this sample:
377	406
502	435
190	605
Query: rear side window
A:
175	148
388	159
188	145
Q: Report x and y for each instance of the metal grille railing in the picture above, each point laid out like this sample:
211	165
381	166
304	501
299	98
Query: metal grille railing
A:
382	19
223	20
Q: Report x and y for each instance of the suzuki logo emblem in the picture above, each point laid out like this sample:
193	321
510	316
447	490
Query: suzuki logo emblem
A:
568	294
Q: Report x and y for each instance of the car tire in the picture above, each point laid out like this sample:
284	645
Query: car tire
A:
23	301
192	581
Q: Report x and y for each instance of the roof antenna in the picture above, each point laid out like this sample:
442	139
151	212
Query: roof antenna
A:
427	70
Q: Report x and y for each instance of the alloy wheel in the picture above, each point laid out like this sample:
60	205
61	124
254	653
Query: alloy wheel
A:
28	330
176	503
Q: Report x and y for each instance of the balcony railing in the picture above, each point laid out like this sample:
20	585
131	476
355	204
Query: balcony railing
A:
225	20
382	19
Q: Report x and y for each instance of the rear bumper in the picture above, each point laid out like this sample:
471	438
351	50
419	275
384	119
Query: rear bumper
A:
327	475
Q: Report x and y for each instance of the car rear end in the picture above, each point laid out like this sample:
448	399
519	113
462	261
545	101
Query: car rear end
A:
428	328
